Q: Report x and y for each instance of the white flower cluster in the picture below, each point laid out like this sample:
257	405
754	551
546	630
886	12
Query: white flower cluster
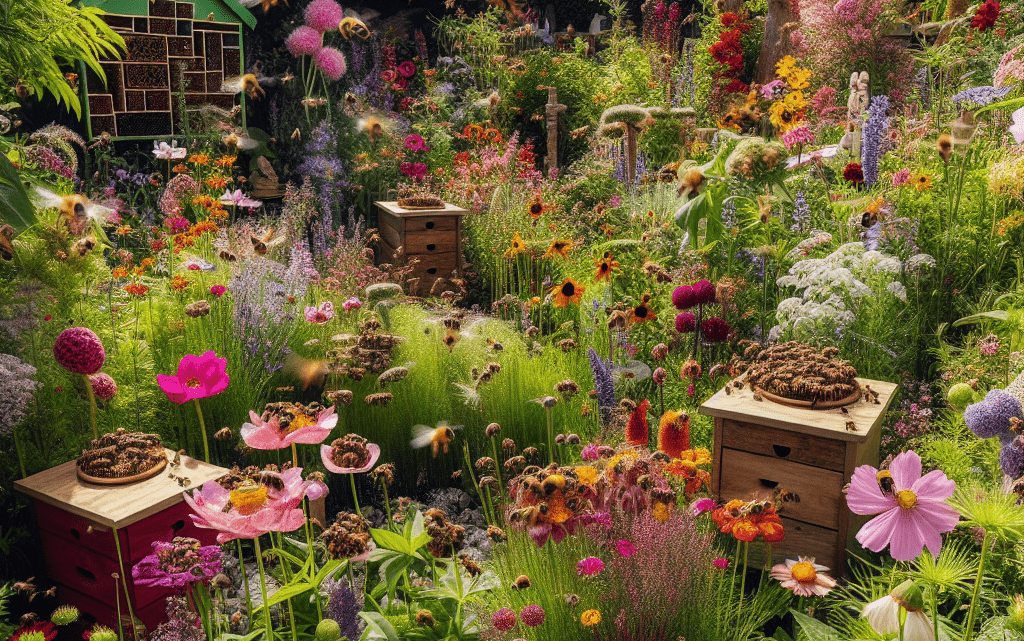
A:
830	289
16	390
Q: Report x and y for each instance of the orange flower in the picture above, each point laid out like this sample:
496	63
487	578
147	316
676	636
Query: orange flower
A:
138	271
147	262
199	159
637	431
746	521
473	132
180	169
136	289
219	213
180	283
674	433
124	230
537	207
559	247
120	272
225	161
605	266
518	247
493	135
569	292
204	200
217	182
204	226
642	312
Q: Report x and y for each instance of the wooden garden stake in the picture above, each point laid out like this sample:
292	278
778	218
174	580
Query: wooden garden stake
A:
551	111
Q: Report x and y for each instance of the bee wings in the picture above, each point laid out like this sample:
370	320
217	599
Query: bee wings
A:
235	84
46	198
422	435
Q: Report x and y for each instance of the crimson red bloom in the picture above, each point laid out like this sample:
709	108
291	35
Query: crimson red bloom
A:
986	16
42	630
853	173
637	431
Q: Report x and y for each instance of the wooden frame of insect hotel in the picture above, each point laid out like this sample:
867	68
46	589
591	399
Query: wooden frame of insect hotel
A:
170	48
801	458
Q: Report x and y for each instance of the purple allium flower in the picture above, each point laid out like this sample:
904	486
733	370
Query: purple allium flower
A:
532	615
304	41
589	566
330	61
685	322
715	329
324	15
659	375
343	607
704	292
991	416
177	563
504	619
684	297
1011	458
103	386
79	350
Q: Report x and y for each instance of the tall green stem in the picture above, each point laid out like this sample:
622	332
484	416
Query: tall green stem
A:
202	428
92	405
268	626
355	496
551	437
743	577
973	612
245	579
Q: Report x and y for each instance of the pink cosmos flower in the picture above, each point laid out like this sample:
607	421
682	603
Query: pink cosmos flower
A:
326	455
768	90
197	377
804	577
407	69
253	510
268	435
625	548
238	199
320	315
590	566
912	516
218	290
415	142
351	303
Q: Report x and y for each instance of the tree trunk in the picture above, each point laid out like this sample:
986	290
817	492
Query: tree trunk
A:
776	44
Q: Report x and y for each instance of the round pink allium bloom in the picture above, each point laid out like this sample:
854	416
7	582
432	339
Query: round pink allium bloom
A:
504	619
331	62
589	566
659	376
532	615
324	15
304	41
704	292
103	386
715	329
625	548
218	290
79	350
720	563
179	192
686	323
407	69
684	297
177	224
589	452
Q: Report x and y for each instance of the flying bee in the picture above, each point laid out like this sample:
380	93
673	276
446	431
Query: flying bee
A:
868	219
266	4
236	618
350	26
456	475
26	586
844	410
1016	425
851	426
76	208
439	438
537	488
269	240
248	83
310	372
885	482
785	496
83	246
234	141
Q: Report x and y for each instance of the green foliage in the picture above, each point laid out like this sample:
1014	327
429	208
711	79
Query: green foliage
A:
72	34
15	208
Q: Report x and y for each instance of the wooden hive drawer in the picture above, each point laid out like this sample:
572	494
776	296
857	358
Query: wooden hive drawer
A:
436	265
415	224
784	445
746	476
803	539
430	242
77	530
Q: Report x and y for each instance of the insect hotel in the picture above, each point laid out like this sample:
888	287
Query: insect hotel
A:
797	445
430	235
169	47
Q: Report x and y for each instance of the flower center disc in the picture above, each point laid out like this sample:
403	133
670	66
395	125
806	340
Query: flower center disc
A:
803	572
248	500
192	382
906	499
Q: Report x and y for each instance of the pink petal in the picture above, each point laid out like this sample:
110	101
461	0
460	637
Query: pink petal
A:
905	469
325	456
309	435
877	532
909	536
864	496
261	438
934	485
939	513
172	387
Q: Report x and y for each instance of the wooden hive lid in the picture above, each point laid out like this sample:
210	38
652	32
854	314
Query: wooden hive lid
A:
116	505
831	423
392	208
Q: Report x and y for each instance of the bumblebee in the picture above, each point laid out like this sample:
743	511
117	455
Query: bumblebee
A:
555	483
529	515
885	482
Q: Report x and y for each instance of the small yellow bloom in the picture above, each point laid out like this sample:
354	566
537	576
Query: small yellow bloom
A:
586	474
921	182
590	618
518	247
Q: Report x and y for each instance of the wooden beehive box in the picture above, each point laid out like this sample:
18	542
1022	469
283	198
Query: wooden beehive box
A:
432	236
762	446
78	522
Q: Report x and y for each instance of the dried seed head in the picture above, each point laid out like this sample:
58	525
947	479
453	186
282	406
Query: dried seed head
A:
492	430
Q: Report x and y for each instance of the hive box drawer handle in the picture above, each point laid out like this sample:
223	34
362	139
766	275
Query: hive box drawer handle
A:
432	271
771	485
781	450
430	225
431	247
178	526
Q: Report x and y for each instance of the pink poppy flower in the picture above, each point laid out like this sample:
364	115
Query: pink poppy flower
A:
268	435
253	510
218	290
913	513
320	315
804	577
197	377
356	450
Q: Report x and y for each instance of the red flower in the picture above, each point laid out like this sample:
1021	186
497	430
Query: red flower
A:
43	631
737	86
636	428
853	173
986	16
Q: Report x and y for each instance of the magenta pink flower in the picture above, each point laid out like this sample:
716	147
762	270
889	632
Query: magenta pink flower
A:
218	290
532	615
324	15
331	61
912	516
901	177
700	506
589	452
304	41
253	510
79	350
268	435
415	142
625	548
721	563
177	224
590	566
177	563
197	377
103	386
320	315
413	169
504	619
407	69
351	303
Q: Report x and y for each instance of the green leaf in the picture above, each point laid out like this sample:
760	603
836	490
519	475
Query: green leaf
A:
391	541
814	629
379	627
290	591
15	207
995	314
